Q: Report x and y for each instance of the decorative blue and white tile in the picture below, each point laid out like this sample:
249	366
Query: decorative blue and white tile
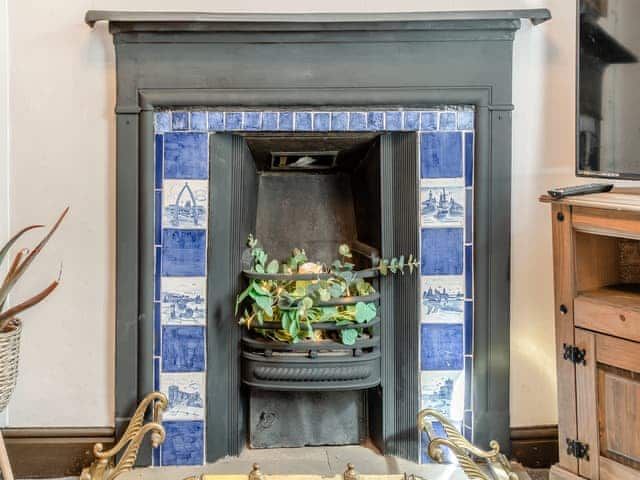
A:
438	431
252	121
159	153
185	204
428	121
442	299
446	148
468	158
357	121
180	120
186	395
183	349
184	443
321	122
411	121
375	121
183	300
442	206
442	346
162	121
393	121
442	251
215	121
184	252
441	155
466	120
198	121
186	155
285	121
233	120
303	122
468	327
270	121
443	391
447	121
339	121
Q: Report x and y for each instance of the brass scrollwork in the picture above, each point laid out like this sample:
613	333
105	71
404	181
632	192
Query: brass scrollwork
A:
496	465
103	467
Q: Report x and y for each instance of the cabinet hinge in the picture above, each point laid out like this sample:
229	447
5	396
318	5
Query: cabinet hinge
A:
577	449
574	354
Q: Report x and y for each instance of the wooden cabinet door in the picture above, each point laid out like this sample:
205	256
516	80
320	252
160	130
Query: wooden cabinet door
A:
608	400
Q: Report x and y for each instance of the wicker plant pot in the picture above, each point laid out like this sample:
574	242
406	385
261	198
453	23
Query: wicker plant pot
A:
9	356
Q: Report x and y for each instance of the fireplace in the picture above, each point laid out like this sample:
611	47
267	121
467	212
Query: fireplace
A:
408	119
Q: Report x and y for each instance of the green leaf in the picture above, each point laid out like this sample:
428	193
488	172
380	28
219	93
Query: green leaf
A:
240	298
263	302
273	267
307	303
348	336
327	313
285	320
324	295
336	290
365	312
344	250
259	290
294	327
309	330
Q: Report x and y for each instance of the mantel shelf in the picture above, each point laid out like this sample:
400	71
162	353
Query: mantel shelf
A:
189	21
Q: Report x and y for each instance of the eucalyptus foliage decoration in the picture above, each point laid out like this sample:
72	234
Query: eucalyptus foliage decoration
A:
296	305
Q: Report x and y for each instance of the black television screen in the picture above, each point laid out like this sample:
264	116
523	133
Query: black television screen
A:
608	120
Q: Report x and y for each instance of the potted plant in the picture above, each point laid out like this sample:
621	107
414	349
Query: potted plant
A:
10	324
302	301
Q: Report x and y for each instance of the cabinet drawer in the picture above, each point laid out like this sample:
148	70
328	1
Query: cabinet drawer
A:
609	310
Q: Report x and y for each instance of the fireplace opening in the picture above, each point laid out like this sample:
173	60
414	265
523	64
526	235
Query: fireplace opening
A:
314	192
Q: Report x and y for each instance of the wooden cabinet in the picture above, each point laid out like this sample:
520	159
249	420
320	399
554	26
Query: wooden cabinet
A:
596	250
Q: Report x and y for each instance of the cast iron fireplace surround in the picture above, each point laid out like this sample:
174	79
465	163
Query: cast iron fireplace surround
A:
316	61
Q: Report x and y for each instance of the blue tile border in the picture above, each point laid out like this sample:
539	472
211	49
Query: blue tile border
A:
442	346
184	443
156	329
180	120
183	348
446	149
159	147
468	327
468	159
339	121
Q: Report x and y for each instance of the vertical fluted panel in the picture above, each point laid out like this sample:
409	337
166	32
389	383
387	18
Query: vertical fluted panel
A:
406	293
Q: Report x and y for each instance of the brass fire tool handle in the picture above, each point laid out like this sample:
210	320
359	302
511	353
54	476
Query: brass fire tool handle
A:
496	465
104	466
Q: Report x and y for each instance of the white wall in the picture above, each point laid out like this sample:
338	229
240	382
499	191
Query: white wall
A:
4	140
62	152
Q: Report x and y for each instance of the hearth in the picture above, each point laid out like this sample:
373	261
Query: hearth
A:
408	118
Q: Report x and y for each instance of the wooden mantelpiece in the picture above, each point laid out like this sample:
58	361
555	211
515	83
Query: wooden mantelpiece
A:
596	251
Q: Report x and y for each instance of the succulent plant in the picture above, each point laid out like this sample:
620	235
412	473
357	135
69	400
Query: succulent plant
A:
17	267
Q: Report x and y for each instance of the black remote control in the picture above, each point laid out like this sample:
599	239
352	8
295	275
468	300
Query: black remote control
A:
562	192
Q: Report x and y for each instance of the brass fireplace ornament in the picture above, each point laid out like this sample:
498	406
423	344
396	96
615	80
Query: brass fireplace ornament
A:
477	464
104	466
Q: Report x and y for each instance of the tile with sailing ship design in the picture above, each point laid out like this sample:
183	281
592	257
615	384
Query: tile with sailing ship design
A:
184	204
442	205
442	299
185	392
183	300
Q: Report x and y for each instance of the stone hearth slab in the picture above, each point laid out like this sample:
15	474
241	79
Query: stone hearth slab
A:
325	461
